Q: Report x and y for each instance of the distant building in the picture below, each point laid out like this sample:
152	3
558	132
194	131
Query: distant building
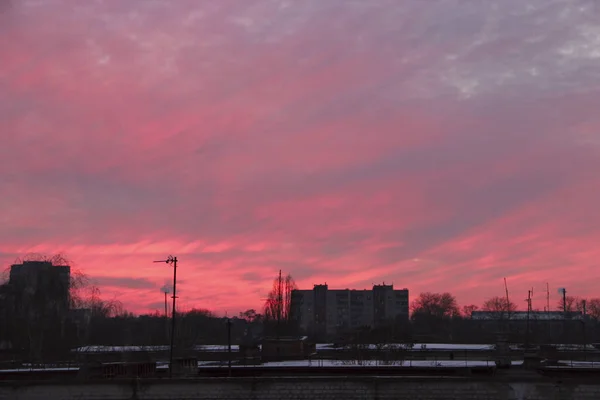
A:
322	311
40	285
289	348
522	315
541	327
5	317
35	307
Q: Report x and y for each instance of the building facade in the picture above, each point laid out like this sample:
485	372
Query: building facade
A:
35	308
533	327
524	315
40	285
324	312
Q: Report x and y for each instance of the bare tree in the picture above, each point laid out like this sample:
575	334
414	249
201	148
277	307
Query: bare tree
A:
436	305
279	299
499	305
249	315
467	311
58	259
593	308
570	304
278	307
78	285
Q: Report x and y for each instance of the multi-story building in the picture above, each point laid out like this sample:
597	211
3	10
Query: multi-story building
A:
39	285
322	311
36	303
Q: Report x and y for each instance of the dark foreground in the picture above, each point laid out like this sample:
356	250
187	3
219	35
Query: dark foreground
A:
494	387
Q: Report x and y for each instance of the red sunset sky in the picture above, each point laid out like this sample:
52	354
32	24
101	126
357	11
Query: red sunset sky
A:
436	145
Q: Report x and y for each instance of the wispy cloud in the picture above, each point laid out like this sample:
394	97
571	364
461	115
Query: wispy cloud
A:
127	282
339	141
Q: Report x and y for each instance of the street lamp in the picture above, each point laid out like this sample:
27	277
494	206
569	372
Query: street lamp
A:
172	260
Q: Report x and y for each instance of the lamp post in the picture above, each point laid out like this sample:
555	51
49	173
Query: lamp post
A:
172	260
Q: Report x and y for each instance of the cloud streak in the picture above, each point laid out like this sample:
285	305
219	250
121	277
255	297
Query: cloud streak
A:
438	145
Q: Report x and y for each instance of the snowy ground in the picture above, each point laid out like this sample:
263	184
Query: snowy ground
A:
330	346
374	363
39	369
343	363
319	346
116	349
420	346
577	364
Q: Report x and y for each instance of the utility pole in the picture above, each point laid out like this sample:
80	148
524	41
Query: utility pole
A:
583	305
229	345
172	260
547	298
166	315
564	293
166	290
279	309
507	298
528	300
279	304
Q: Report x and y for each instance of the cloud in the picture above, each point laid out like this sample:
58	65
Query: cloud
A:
249	138
131	283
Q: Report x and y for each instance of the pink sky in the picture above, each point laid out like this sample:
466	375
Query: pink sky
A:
435	145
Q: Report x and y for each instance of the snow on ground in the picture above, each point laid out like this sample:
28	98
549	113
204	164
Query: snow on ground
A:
339	363
420	346
449	346
118	349
319	346
577	364
39	369
213	347
328	347
373	363
324	346
576	347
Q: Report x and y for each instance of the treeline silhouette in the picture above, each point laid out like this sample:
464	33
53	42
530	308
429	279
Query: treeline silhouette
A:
37	325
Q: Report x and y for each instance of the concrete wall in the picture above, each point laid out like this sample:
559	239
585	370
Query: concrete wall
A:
308	388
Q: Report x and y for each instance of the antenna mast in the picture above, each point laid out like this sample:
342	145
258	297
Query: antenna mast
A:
547	297
279	304
507	299
528	300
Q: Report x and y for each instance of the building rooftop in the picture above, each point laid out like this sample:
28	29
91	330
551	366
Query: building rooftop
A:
348	289
522	315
